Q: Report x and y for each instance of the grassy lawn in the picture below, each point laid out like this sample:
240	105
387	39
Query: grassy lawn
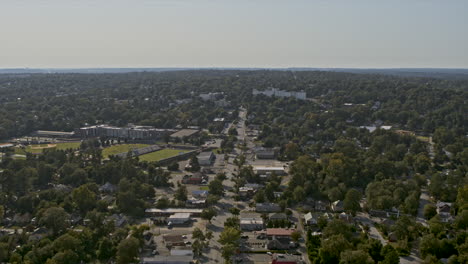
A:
424	139
122	148
204	188
161	154
68	145
38	148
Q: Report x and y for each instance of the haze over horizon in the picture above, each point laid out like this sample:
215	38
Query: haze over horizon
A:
257	34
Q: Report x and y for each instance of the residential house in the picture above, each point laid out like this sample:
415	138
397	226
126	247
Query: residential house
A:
196	178
267	208
278	216
108	188
265	153
200	194
246	192
193	202
279	232
173	240
346	217
279	238
321	206
337	206
443	209
311	219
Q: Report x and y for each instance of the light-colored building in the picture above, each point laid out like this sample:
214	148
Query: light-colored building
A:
280	93
206	158
181	251
167	260
250	221
268	170
178	219
337	206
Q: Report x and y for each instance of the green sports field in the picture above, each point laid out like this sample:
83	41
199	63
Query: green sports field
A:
161	154
122	148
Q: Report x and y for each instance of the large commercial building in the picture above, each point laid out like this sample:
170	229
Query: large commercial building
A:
279	93
130	132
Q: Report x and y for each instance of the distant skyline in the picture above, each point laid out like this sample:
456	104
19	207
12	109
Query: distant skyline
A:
241	33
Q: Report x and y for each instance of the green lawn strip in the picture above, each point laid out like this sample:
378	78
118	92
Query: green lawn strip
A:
161	154
122	148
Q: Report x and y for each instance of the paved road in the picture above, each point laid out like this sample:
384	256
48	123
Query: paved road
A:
423	200
373	232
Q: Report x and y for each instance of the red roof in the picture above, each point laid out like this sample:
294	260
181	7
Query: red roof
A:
279	232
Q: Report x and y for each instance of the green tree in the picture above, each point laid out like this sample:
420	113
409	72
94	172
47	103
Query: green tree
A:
332	247
56	219
208	214
430	211
351	201
229	236
390	255
233	222
84	198
194	165
105	250
337	227
216	188
355	257
299	194
127	251
227	251
295	236
181	193
234	210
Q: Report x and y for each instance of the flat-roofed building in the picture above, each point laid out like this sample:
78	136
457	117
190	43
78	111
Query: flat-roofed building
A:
170	211
53	134
185	133
268	170
206	158
179	218
250	221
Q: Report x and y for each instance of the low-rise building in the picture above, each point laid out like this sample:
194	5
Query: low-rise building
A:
196	178
313	218
250	221
267	208
206	158
277	217
246	192
268	170
170	211
173	240
193	202
200	193
337	206
184	133
181	251
279	232
265	153
178	219
443	210
167	260
285	259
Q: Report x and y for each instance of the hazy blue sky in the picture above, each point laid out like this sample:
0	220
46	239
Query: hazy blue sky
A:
235	33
